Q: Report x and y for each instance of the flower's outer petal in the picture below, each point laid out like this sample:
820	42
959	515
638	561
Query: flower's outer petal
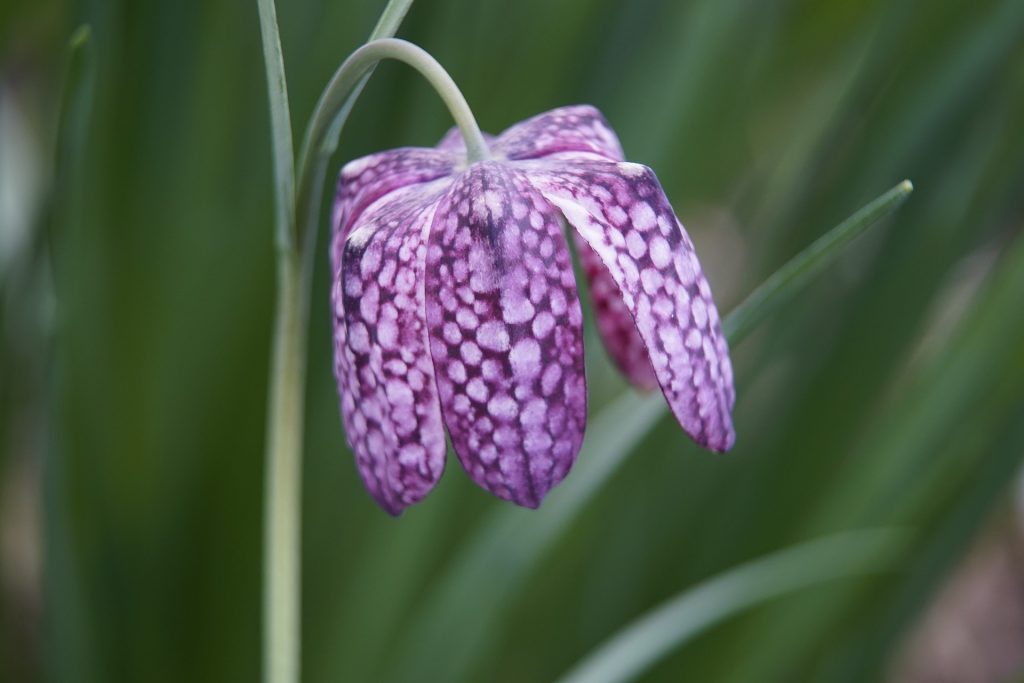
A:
579	128
385	375
623	214
363	181
506	334
454	142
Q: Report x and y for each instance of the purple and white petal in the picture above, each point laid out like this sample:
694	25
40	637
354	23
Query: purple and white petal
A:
505	331
621	211
579	128
385	376
365	180
454	142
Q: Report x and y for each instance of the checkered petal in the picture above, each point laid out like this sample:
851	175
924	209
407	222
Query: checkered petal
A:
365	180
505	331
621	211
385	376
454	142
578	128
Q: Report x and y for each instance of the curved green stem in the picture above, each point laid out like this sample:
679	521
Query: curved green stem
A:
321	139
335	103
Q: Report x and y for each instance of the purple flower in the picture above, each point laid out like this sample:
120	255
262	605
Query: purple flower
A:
455	306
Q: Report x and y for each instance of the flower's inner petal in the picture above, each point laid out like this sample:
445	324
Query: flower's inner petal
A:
622	213
614	321
385	376
454	142
506	334
365	180
579	128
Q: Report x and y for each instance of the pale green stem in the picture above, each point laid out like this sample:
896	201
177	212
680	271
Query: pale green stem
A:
282	474
286	411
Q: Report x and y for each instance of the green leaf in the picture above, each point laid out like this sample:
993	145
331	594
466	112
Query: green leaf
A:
280	124
654	635
795	275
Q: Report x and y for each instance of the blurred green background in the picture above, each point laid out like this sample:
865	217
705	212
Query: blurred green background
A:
136	267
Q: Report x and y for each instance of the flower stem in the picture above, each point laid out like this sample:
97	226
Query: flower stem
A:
285	414
283	477
321	135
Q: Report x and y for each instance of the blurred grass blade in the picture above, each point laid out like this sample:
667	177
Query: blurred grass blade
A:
654	635
72	119
77	86
68	647
511	541
792	277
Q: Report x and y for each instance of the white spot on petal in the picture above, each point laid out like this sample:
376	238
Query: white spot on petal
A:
503	407
525	358
636	245
477	390
700	312
399	393
642	216
493	335
543	324
661	253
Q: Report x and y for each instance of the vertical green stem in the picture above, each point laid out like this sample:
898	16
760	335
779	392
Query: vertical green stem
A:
295	229
282	489
283	483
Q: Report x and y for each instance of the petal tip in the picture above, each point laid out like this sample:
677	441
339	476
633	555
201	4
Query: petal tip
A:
392	510
722	443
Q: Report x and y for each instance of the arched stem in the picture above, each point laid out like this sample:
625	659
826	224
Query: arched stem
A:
336	102
321	136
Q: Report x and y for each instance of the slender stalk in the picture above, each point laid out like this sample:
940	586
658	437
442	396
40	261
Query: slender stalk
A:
282	473
286	408
335	103
332	100
283	484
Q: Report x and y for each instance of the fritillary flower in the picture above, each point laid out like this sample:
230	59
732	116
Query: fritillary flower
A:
456	306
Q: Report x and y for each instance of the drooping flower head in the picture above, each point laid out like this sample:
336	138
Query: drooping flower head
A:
455	306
